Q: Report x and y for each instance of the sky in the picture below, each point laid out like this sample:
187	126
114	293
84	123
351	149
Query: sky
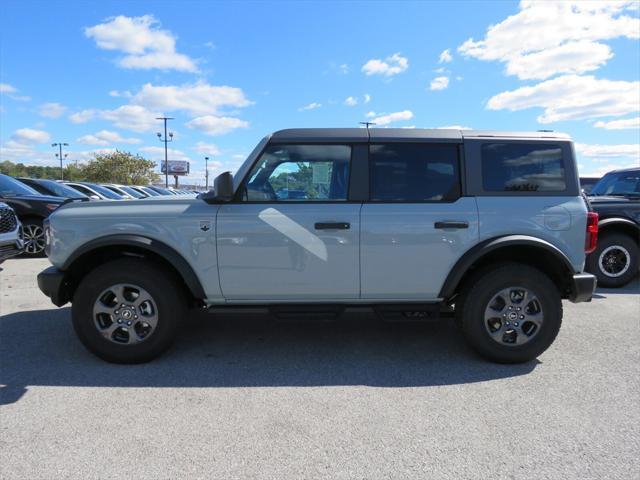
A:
97	74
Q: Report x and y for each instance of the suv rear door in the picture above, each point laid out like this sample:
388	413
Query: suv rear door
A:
292	233
416	224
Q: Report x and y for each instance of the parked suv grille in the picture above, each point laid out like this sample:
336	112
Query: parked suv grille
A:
8	221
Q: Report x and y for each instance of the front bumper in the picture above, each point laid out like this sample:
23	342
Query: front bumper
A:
12	249
582	287
52	282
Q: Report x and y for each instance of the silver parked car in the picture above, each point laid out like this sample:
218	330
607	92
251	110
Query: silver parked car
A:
11	241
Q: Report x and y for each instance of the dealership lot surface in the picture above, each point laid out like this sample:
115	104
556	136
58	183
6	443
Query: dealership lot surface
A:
249	398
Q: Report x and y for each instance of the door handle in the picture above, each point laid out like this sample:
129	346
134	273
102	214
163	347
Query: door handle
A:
454	224
332	226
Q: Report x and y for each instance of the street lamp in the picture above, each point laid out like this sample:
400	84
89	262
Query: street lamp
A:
206	173
165	140
59	155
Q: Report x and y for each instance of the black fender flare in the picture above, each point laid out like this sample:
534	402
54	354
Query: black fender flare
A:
618	221
169	254
475	253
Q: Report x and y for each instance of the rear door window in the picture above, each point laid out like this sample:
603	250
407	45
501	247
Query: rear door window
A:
414	172
523	167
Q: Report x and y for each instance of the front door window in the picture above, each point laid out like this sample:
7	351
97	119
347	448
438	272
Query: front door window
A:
300	173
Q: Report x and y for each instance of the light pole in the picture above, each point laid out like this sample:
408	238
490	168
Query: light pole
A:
165	140
60	145
206	173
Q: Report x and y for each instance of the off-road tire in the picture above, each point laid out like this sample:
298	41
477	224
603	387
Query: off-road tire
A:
161	285
480	289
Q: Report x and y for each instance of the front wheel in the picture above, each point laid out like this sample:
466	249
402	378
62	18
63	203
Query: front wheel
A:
127	310
511	313
615	260
34	240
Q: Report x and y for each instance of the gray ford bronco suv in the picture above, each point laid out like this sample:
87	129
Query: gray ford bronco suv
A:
489	226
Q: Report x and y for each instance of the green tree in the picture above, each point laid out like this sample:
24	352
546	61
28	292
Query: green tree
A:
119	167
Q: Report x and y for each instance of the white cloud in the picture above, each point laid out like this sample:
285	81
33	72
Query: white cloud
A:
370	114
624	124
572	97
571	57
6	88
83	116
393	117
439	83
600	169
454	127
132	117
445	56
311	106
207	149
52	110
366	99
388	67
28	136
631	151
213	125
106	137
157	153
553	37
11	91
351	101
146	46
124	93
197	99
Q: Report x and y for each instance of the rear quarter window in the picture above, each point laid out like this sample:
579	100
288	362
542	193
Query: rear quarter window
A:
523	167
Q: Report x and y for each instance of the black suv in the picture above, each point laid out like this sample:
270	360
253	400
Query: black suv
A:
31	208
616	199
53	188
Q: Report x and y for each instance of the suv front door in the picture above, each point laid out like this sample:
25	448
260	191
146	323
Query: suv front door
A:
292	233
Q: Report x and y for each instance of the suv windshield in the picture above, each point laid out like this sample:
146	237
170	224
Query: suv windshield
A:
11	188
61	190
104	191
618	183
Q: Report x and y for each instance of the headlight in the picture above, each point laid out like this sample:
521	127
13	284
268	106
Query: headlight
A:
52	206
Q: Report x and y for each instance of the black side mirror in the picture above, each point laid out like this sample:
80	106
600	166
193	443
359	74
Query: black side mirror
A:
222	189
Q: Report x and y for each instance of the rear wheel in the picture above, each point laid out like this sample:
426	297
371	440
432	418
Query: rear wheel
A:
615	260
510	313
34	241
127	311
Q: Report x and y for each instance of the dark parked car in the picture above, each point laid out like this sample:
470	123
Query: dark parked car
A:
616	199
587	183
31	208
53	188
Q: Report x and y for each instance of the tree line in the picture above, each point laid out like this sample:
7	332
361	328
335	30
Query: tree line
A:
114	167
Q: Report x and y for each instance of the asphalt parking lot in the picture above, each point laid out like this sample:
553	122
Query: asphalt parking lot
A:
249	398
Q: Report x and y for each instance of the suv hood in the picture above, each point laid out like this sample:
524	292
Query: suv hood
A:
595	200
152	206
